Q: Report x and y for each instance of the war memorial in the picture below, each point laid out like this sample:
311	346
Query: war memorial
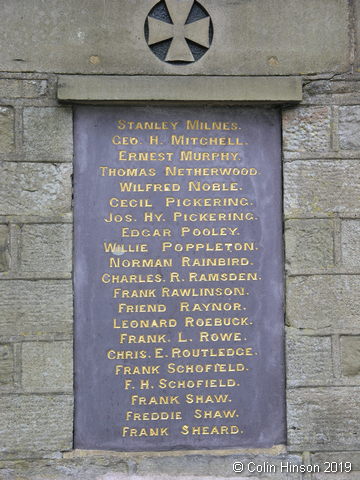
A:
180	239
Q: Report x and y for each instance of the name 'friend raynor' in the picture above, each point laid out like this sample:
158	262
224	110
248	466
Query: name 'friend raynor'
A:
189	125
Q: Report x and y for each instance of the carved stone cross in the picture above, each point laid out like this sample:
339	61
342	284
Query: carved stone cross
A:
197	31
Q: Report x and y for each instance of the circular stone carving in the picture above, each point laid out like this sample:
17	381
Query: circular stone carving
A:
178	32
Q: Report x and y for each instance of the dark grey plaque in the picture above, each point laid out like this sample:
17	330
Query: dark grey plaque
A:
178	278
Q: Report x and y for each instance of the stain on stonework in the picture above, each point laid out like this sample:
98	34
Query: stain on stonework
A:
273	61
94	59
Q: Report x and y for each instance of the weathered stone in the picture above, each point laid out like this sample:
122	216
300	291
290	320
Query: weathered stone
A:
35	423
321	188
35	307
350	355
92	88
7	137
48	133
309	245
4	247
6	365
357	34
353	457
324	302
15	88
46	249
307	129
59	471
290	37
323	419
349	127
332	92
318	87
91	468
350	243
38	189
47	367
336	476
309	360
217	466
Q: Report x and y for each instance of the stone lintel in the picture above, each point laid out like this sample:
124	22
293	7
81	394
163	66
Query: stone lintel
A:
224	89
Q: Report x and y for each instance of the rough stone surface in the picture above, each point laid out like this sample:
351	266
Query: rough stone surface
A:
350	355
6	365
309	245
96	468
324	302
46	249
48	133
357	33
309	360
353	457
307	129
314	188
323	419
92	88
7	137
350	242
289	37
327	92
108	468
35	423
47	367
45	307
336	476
38	189
4	246
349	127
15	88
216	466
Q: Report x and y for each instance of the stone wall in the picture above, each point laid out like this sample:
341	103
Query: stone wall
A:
321	145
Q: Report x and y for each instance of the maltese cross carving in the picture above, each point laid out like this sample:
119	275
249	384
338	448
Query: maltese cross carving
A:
181	29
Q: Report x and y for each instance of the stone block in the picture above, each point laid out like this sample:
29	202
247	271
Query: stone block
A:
7	369
318	188
349	127
289	37
15	88
35	307
324	302
215	465
350	243
322	419
309	245
335	476
7	135
307	129
90	88
48	133
350	355
356	4
4	248
352	457
46	249
96	467
35	189
47	367
308	360
35	423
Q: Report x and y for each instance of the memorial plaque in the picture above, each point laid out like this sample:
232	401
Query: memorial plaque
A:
178	278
